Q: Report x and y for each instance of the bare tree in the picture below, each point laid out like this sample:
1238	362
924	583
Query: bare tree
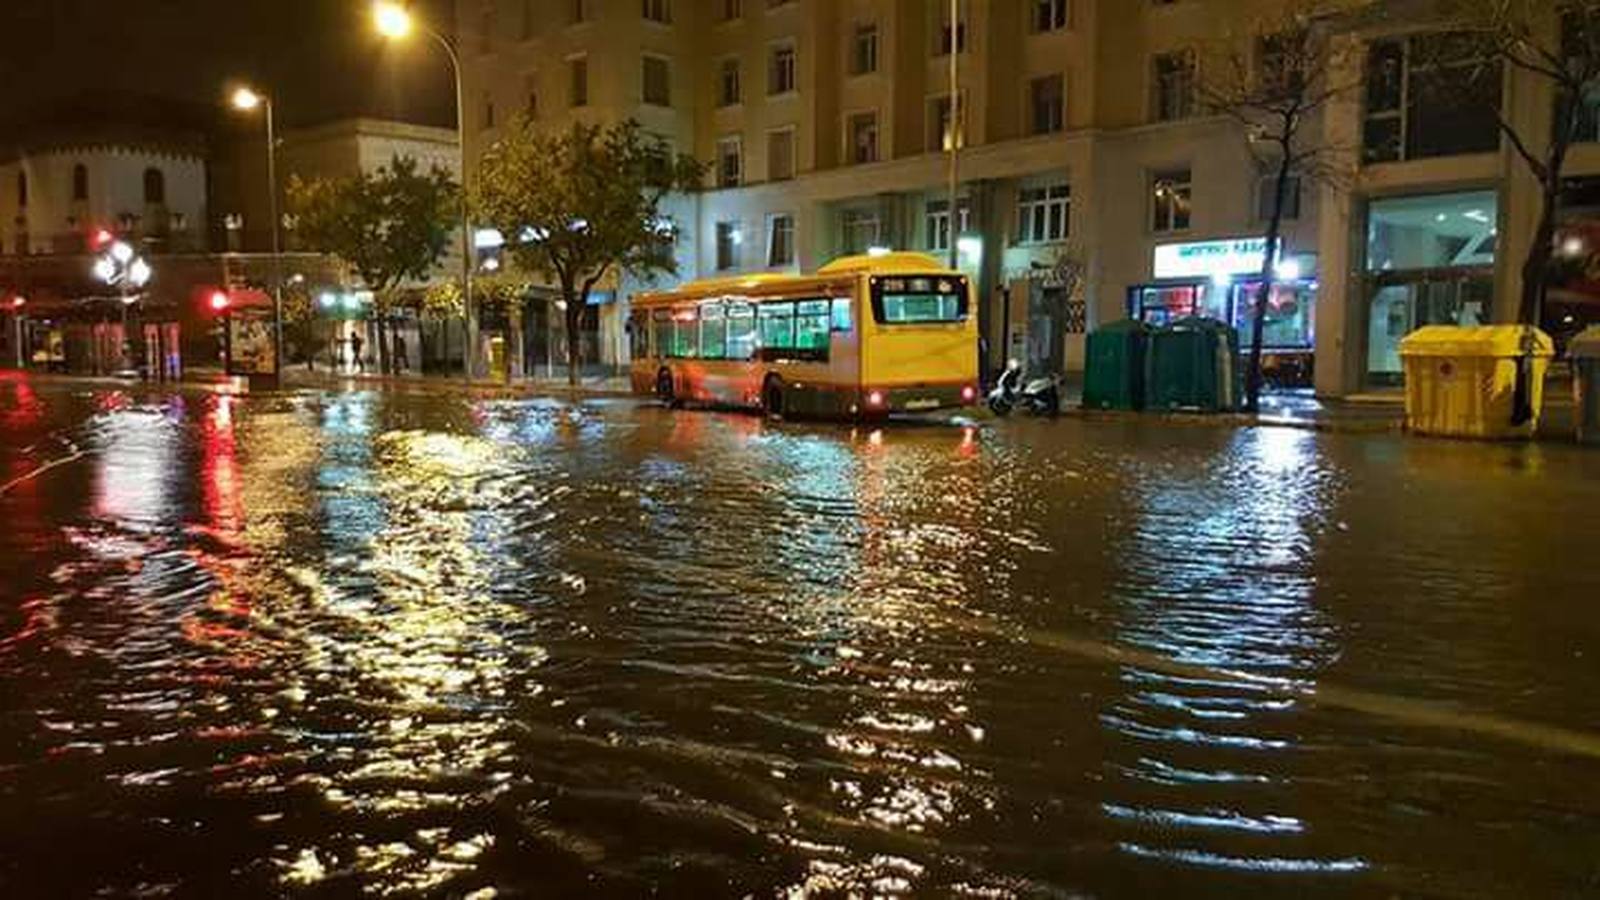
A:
1276	82
1556	43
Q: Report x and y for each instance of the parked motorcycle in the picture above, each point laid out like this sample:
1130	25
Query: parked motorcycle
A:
1040	396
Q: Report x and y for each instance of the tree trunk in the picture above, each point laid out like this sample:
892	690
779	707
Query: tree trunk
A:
1269	275
1536	267
383	344
576	301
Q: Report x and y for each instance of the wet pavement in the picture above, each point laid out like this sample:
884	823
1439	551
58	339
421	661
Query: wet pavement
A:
406	644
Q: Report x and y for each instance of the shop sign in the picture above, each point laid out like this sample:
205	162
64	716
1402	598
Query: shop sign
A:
1210	259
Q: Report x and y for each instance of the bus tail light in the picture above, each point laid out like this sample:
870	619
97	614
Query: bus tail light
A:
875	398
968	393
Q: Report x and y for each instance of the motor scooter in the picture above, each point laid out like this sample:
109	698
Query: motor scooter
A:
1040	396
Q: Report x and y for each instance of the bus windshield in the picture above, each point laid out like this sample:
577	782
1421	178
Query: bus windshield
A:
919	300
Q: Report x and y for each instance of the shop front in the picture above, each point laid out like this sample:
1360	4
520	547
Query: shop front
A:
1222	280
1429	261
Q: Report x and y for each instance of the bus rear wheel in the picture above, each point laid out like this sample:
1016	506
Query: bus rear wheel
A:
772	398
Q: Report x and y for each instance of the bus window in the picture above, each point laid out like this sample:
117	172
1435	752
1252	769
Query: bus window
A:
661	332
741	331
639	335
777	326
811	325
685	335
713	332
841	314
910	301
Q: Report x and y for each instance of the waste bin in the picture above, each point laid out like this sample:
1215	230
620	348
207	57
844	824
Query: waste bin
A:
1114	359
1584	352
1193	365
1482	382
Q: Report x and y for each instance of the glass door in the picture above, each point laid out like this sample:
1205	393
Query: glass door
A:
1401	304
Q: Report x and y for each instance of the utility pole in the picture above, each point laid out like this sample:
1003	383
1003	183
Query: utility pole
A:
955	128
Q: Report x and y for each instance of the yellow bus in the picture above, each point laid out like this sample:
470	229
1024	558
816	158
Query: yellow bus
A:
866	336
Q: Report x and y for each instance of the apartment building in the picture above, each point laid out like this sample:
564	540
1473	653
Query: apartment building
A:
1092	186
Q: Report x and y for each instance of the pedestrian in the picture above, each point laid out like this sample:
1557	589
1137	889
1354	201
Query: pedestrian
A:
355	350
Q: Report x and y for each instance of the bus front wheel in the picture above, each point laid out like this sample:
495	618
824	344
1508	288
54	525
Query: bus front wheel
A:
665	390
772	398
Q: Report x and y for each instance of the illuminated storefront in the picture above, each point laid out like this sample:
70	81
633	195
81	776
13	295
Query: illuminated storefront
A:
1221	280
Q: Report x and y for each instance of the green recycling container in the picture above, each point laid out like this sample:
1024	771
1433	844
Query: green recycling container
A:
1584	352
1114	366
1193	366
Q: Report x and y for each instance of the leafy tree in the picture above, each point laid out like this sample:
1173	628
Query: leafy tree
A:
582	204
1555	44
391	226
1276	82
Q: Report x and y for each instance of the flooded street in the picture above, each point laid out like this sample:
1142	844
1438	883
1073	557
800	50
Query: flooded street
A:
413	643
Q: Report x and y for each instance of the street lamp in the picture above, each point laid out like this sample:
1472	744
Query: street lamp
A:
246	100
122	268
395	22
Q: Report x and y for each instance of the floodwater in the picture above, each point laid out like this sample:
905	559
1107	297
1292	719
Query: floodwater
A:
418	644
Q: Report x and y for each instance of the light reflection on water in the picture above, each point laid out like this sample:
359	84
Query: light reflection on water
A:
369	642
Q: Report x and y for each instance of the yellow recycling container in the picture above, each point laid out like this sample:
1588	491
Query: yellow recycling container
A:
1484	382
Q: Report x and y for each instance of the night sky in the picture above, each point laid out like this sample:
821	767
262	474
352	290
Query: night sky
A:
319	57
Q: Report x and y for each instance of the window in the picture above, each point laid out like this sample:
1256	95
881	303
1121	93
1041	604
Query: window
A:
80	182
155	187
578	81
22	189
1049	15
1044	213
730	161
728	92
1429	96
780	240
1432	231
487	117
486	28
776	325
864	50
657	10
530	91
863	130
732	9
942	38
861	230
1266	195
728	240
780	154
1047	100
677	333
657	81
713	332
938	222
530	16
939	135
1173	82
1171	196
578	12
911	301
812	325
742	335
780	70
843	318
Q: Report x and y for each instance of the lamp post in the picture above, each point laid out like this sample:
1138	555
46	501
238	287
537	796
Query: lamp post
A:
247	100
120	267
395	22
17	303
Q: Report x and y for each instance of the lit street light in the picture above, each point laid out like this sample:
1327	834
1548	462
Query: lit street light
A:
122	268
395	22
247	100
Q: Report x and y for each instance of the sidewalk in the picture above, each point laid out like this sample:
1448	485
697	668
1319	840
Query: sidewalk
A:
595	385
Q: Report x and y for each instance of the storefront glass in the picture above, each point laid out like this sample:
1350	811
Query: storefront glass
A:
1289	322
1572	302
1431	262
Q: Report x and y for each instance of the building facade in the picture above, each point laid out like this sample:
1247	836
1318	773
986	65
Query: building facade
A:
1092	185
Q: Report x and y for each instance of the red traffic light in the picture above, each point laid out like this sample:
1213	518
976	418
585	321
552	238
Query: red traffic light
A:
220	301
101	238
